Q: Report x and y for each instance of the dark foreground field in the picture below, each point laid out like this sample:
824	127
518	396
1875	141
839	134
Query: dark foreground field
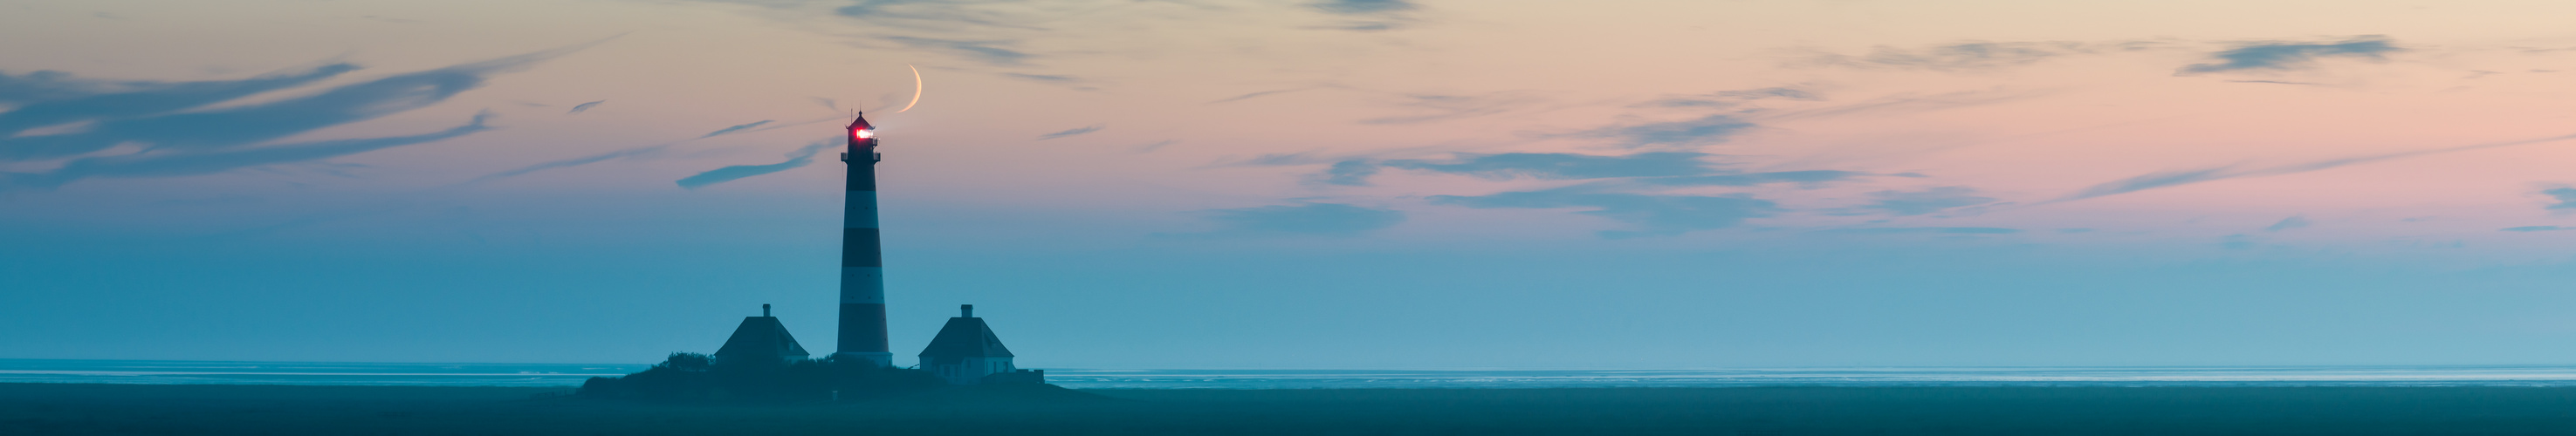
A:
34	409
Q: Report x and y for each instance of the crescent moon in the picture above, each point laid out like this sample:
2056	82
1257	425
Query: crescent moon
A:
916	88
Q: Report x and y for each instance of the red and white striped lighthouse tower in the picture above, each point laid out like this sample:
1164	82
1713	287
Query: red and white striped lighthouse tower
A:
863	313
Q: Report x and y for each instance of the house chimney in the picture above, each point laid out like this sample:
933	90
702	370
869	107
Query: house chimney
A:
965	311
764	310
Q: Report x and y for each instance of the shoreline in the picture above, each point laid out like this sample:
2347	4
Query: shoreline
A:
560	374
51	408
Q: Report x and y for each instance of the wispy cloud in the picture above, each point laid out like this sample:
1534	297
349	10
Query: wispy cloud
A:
2294	222
1709	130
1157	145
47	85
1367	15
1780	92
1073	131
1442	107
737	128
1281	158
988	52
1506	166
1645	214
1362	7
1363	26
1722	99
1348	173
944	14
255	123
1909	203
55	98
628	153
634	153
801	157
2292	55
1647	168
2156	180
1752	179
1907	103
2537	228
1688	102
1939	230
2166	179
180	138
1975	55
584	107
1256	94
2277	82
1049	78
1309	219
199	162
2566	198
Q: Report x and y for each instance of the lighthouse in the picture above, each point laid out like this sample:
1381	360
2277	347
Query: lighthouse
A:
863	311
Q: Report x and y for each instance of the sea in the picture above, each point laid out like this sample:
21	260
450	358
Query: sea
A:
568	375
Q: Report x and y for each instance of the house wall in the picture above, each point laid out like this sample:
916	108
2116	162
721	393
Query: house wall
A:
969	370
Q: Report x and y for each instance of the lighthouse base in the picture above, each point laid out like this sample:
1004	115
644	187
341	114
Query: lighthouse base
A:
883	360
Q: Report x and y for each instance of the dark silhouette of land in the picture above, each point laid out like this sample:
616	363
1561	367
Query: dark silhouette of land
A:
692	377
37	409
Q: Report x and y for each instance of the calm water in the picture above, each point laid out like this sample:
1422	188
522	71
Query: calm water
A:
516	374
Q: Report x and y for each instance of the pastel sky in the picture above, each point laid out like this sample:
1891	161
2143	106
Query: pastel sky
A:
1300	183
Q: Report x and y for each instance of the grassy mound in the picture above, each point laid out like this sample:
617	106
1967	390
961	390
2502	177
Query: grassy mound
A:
692	377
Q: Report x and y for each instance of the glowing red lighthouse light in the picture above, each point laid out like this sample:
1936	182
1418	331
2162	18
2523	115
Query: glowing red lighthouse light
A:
862	134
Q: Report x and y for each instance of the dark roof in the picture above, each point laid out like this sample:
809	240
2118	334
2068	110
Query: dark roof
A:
965	337
761	336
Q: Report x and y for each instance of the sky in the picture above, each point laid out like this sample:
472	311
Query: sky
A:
1300	183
